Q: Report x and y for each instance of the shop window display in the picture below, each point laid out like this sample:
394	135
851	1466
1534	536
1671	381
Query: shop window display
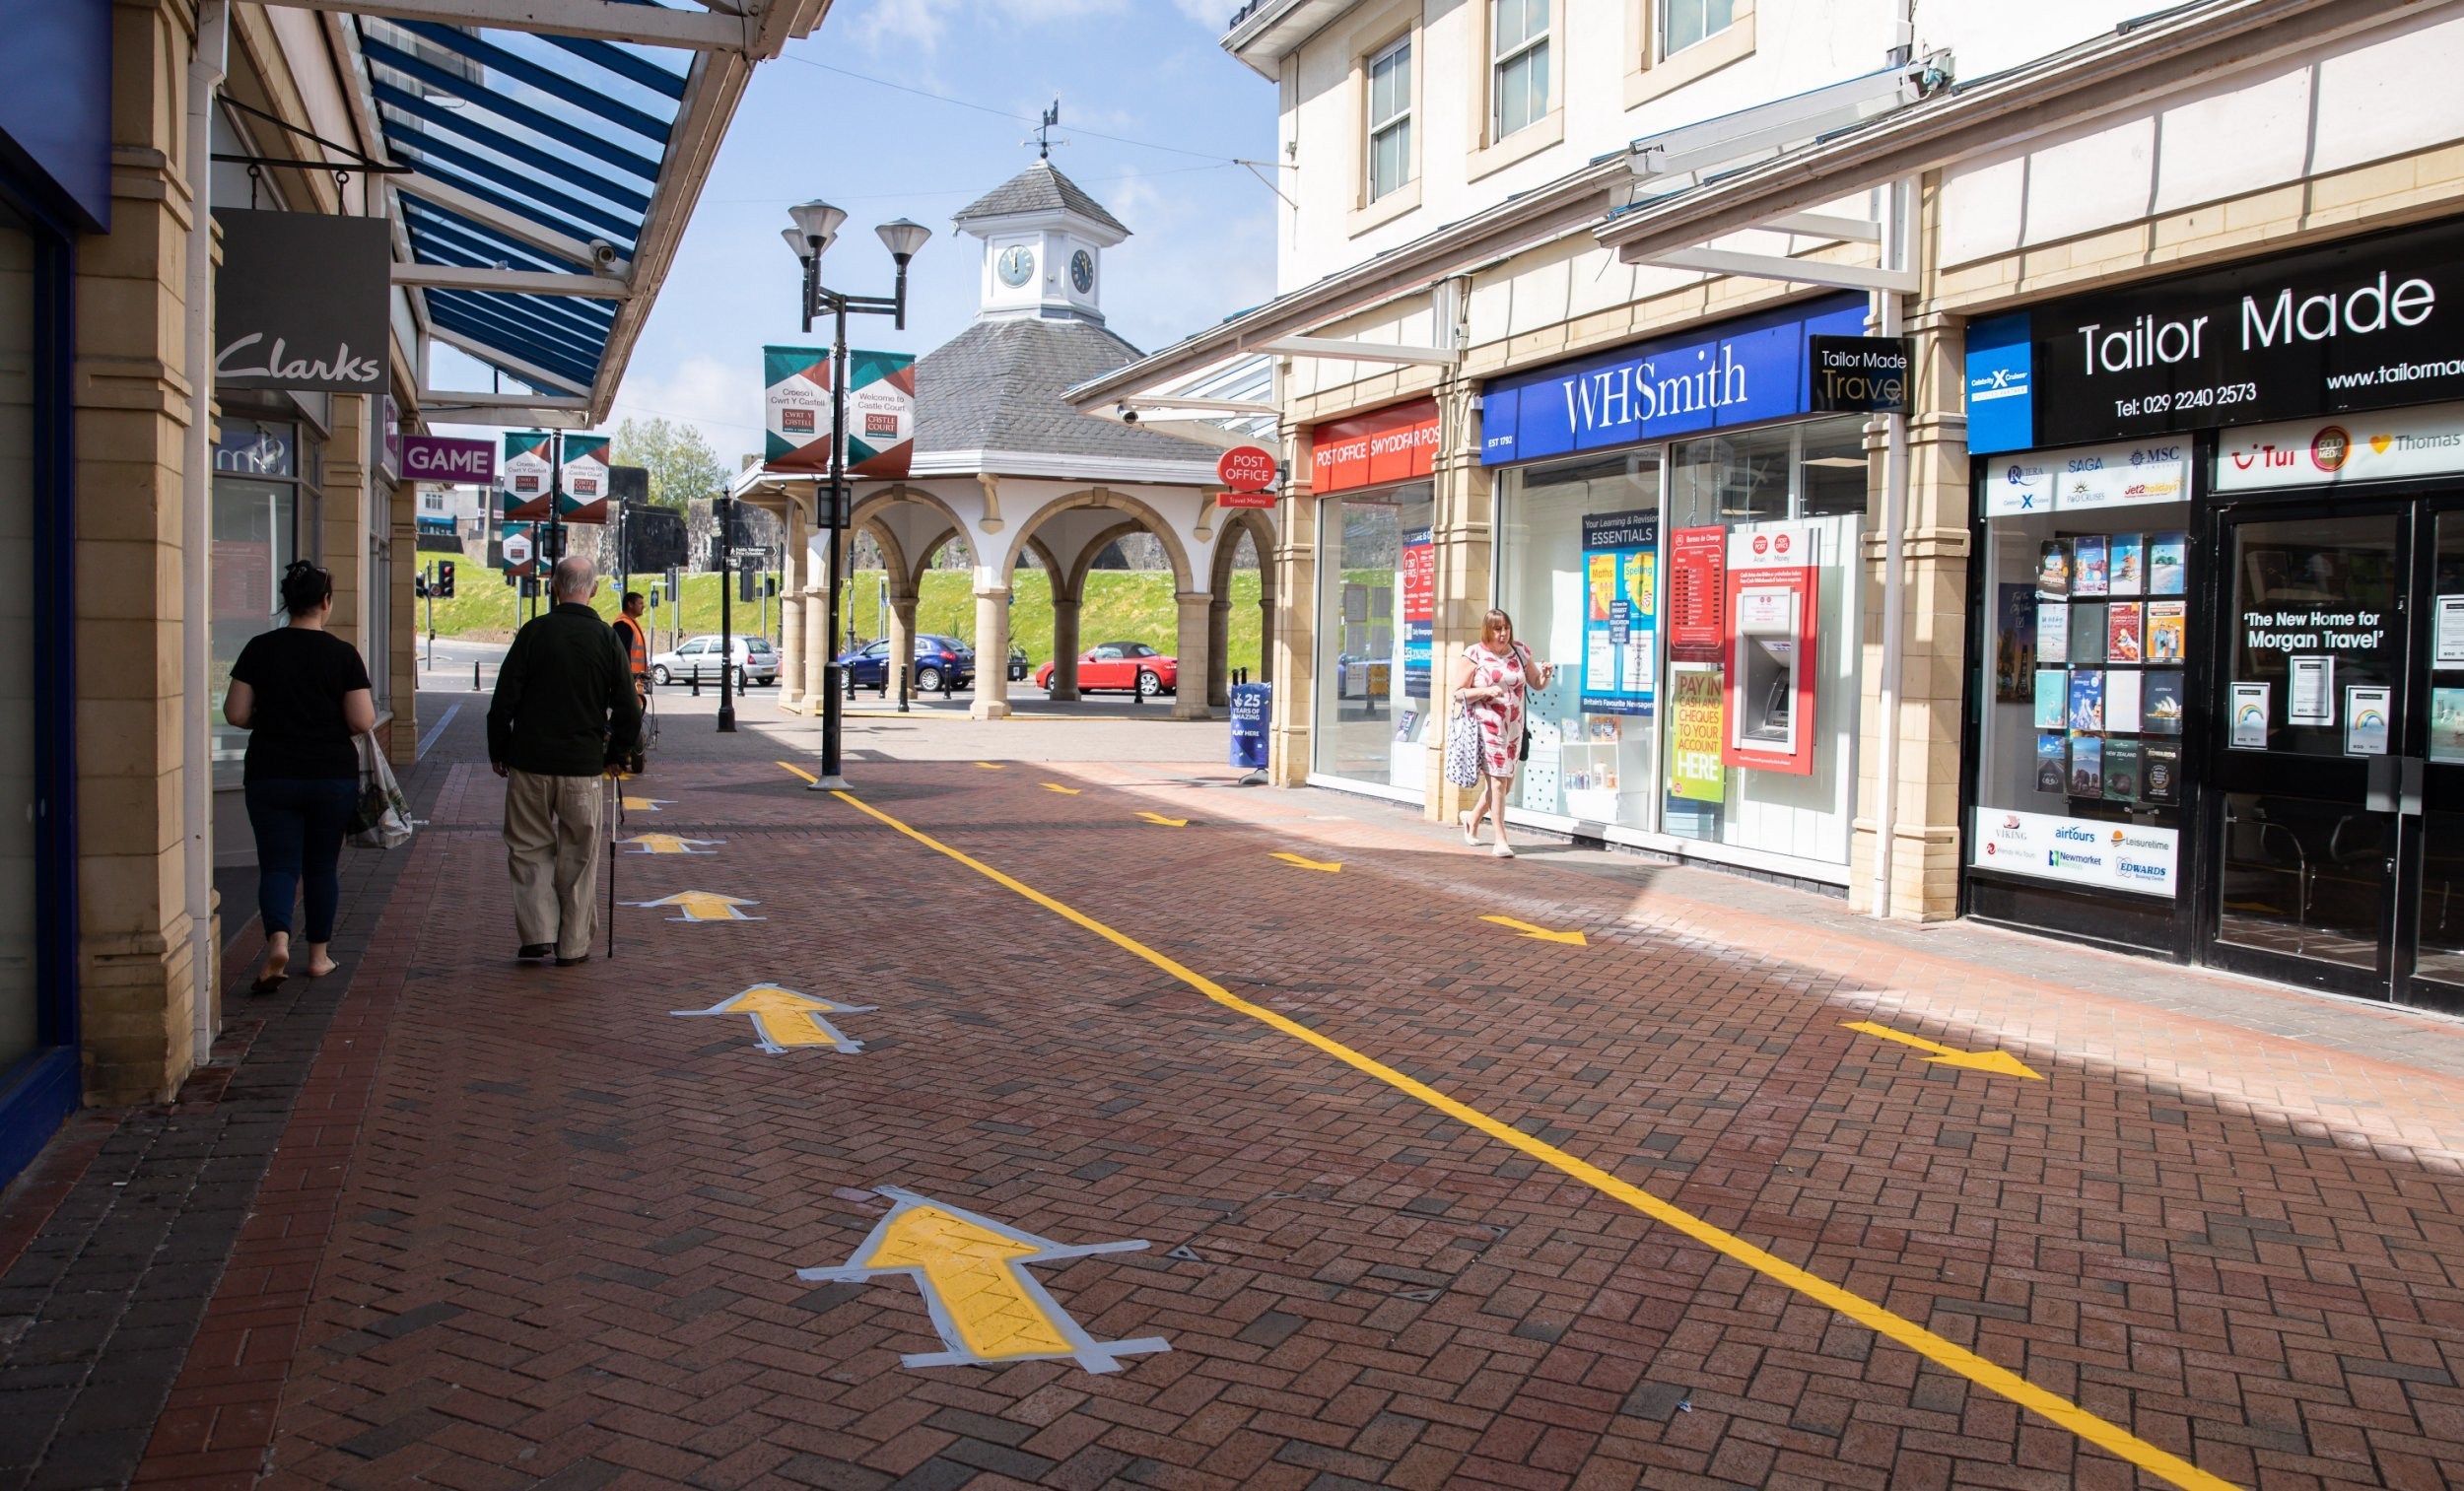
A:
259	466
1764	613
1376	614
2087	636
1578	571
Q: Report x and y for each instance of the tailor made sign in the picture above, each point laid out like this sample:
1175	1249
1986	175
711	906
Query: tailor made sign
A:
2372	323
1737	372
302	302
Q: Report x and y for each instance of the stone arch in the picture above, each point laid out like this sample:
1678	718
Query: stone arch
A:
1259	530
1141	516
931	552
1094	551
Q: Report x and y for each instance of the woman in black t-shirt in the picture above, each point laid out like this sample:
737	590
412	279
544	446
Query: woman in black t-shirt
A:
301	694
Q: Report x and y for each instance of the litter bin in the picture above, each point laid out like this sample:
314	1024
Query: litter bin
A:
1252	705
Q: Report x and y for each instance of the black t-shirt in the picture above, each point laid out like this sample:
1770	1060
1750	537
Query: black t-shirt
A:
297	732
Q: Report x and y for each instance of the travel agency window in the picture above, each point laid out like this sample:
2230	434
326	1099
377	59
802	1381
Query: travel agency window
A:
264	517
1376	597
1681	539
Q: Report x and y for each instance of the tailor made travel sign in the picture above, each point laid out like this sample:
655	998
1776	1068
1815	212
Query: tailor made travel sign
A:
2369	323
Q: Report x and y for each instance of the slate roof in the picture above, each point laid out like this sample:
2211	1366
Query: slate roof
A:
997	384
1041	187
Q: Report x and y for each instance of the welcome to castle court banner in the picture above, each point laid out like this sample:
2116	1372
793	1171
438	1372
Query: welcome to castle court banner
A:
1737	372
880	411
581	480
525	476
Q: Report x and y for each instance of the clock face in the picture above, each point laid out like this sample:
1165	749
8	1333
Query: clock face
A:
1016	265
1082	271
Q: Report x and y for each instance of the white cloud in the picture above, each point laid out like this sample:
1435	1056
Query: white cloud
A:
721	397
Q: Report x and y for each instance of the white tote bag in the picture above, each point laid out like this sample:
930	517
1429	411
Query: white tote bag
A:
382	819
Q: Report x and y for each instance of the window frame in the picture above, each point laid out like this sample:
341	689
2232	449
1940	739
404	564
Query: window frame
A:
1374	128
1659	48
1530	43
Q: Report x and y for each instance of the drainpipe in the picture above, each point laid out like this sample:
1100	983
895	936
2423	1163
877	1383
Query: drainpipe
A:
1891	312
196	773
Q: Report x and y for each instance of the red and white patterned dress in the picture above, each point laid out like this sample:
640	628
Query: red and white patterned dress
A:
1501	719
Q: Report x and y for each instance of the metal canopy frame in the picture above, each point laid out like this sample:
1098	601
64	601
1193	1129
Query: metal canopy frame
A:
550	152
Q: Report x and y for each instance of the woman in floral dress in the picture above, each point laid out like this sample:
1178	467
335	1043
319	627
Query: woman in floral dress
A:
1491	681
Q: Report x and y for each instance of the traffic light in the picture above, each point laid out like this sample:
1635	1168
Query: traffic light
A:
442	589
770	584
657	595
744	585
419	587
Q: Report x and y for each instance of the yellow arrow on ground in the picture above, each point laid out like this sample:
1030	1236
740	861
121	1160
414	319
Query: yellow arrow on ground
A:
1170	823
1055	787
1543	934
668	843
646	804
2000	1062
703	906
784	1018
989	766
985	1303
1328	865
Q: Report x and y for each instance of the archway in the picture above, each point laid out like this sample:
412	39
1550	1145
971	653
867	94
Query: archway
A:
1070	534
1248	532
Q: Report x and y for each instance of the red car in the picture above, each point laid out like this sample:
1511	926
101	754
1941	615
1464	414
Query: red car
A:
1123	665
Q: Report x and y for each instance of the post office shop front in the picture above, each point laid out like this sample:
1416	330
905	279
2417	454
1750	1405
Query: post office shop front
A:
1678	535
2217	613
1376	598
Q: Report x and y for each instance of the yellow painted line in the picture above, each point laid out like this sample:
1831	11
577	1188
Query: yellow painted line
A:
1055	787
2000	1062
992	766
1541	933
1170	823
1934	1348
799	770
1330	866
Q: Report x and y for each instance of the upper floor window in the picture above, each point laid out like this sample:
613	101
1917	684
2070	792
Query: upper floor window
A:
1687	21
1390	119
1518	64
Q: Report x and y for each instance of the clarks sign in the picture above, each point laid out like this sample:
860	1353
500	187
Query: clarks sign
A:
301	303
2364	325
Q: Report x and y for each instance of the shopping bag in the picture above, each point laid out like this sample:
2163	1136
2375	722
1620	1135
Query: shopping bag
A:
382	819
1462	748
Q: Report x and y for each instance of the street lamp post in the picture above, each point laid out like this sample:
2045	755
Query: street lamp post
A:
816	225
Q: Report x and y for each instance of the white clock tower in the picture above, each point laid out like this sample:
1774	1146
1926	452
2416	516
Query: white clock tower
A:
1044	241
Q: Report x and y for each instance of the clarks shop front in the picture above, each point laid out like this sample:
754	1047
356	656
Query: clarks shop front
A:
2217	616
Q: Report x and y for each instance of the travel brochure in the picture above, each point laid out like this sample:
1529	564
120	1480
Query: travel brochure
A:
2091	714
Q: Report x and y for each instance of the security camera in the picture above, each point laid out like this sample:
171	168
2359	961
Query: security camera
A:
1129	416
602	253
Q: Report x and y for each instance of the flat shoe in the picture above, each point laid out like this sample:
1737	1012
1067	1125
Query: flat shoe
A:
1503	851
268	985
569	961
535	950
1471	830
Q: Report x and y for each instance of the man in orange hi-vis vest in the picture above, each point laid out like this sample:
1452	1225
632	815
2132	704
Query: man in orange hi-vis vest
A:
637	644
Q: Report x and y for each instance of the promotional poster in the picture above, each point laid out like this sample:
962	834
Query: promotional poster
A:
1620	612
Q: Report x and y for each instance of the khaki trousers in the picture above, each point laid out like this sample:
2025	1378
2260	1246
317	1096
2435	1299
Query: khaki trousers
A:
552	845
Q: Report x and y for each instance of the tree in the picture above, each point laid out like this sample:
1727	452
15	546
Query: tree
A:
681	463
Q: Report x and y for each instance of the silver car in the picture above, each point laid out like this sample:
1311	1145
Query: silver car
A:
756	661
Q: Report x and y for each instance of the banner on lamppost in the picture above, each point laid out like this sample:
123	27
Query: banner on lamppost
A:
581	480
525	476
880	414
795	408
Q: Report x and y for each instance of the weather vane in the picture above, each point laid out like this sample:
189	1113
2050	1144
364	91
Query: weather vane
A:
1043	140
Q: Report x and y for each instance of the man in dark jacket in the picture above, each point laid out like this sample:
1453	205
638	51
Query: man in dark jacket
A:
564	716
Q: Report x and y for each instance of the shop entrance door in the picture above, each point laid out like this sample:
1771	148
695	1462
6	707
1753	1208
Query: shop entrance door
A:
2335	855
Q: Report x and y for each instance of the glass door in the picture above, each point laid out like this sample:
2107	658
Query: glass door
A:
2313	640
2429	782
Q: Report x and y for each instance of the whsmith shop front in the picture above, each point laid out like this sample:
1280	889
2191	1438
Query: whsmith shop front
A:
2217	610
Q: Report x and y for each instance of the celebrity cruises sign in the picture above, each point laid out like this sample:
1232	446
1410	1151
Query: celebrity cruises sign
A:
1737	372
2368	323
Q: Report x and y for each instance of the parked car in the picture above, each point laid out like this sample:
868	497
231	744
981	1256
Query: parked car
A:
938	659
1017	664
756	661
1125	665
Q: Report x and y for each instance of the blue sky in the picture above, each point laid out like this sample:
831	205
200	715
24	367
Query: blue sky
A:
1147	70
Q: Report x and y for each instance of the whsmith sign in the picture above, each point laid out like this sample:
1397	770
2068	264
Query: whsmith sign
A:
1737	372
2369	324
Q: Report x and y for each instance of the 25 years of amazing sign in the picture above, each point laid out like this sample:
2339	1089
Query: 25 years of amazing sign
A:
2368	323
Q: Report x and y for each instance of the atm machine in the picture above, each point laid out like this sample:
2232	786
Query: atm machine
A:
1771	577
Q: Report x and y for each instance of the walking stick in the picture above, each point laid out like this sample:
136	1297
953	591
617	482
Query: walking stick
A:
615	825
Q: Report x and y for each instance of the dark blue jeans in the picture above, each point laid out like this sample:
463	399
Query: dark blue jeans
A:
299	824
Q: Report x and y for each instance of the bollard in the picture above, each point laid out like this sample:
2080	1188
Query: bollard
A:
475	675
848	672
904	669
949	682
696	680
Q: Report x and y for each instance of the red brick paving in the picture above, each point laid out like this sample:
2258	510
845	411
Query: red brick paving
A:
527	1229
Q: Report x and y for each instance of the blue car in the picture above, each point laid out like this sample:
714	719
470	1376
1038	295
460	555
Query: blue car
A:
939	660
